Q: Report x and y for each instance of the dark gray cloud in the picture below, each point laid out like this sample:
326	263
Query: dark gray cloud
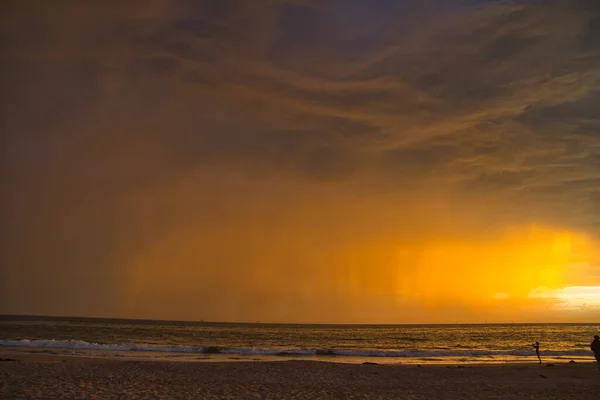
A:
109	104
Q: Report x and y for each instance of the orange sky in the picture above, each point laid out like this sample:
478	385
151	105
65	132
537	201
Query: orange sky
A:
302	161
333	256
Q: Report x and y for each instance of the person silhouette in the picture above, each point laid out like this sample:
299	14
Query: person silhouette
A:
595	347
536	346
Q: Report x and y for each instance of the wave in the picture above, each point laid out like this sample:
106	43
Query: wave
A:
83	345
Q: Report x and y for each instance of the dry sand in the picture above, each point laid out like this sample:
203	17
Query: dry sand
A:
70	378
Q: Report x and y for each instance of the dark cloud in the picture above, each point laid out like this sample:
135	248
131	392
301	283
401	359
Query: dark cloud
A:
116	114
579	111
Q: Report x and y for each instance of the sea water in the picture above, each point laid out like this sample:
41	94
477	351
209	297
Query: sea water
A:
208	341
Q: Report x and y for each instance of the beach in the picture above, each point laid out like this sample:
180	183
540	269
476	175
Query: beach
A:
50	376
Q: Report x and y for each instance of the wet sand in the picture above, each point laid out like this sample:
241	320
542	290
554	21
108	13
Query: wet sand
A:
37	376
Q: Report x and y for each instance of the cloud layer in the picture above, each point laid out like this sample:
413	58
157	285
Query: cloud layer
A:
179	149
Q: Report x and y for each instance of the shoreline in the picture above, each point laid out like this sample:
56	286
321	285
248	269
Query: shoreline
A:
48	356
54	376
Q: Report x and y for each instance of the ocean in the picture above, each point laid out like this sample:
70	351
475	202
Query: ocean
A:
211	341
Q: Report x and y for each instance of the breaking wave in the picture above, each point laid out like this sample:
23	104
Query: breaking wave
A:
83	345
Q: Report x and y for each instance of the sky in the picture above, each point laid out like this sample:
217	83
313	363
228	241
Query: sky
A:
304	161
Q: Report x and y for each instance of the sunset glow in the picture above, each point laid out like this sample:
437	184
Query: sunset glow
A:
513	264
573	298
302	161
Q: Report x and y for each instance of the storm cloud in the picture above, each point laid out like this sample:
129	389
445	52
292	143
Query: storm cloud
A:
161	153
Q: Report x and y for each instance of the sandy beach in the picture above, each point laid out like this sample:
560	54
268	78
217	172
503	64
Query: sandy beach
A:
27	377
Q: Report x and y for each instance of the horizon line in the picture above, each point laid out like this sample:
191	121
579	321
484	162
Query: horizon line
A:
65	317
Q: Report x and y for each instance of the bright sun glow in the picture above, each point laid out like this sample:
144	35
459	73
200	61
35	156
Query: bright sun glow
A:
511	266
572	298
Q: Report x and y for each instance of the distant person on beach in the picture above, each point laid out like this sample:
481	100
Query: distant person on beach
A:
536	346
595	346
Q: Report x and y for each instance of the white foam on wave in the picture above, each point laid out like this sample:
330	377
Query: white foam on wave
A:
83	345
